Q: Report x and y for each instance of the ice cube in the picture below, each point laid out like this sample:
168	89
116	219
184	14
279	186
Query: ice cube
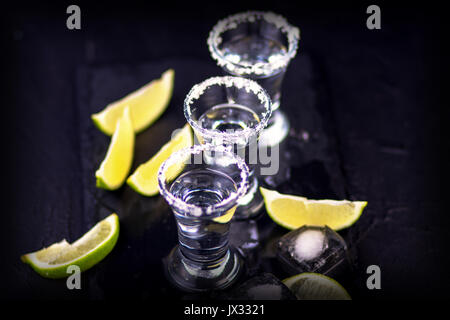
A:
262	287
312	249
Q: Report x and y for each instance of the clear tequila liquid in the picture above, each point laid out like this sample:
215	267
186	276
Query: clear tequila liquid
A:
201	238
228	117
248	50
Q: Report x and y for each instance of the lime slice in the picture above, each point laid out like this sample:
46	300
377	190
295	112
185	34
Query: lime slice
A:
315	286
146	105
226	217
145	179
117	163
91	248
293	212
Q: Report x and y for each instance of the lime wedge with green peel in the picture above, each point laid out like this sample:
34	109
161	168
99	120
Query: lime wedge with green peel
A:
145	179
117	164
146	105
315	286
91	248
293	212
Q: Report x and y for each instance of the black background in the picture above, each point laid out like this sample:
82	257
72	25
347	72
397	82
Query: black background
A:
376	96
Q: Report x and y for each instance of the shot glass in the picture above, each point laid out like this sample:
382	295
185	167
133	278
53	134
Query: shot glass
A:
259	46
232	111
202	185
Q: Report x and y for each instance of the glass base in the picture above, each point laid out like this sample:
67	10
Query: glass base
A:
193	276
276	131
249	206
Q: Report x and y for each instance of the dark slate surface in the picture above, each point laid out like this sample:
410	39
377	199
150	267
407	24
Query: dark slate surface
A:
369	101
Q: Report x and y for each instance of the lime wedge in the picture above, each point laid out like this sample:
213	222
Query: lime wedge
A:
315	286
117	163
145	179
226	217
146	105
91	248
293	212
